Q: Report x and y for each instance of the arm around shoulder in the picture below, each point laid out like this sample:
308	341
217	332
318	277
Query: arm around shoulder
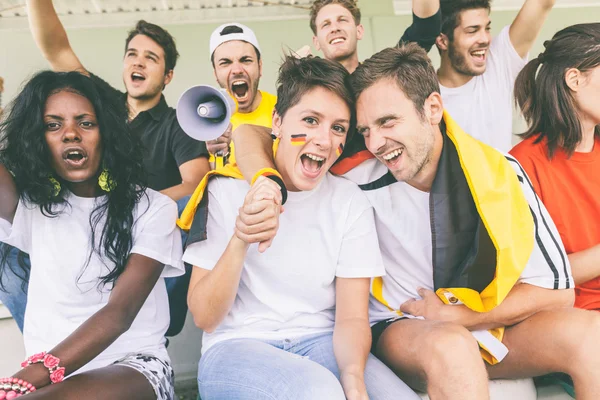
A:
253	149
426	24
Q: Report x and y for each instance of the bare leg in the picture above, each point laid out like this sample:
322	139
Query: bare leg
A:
114	382
563	340
439	356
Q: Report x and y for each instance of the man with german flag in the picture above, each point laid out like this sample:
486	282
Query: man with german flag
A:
477	281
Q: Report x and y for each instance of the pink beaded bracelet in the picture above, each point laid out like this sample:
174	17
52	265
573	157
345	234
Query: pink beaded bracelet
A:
11	388
57	373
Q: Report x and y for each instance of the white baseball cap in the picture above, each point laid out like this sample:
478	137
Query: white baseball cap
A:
217	39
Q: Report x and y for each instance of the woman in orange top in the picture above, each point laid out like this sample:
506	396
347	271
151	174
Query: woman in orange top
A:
558	93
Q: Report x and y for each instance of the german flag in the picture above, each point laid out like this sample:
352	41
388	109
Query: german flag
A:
298	140
339	150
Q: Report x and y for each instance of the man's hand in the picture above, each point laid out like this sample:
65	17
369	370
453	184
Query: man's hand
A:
258	218
429	307
220	146
303	52
354	386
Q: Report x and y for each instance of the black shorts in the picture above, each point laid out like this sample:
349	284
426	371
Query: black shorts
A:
378	328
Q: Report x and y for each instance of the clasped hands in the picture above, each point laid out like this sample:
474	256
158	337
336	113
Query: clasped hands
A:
258	218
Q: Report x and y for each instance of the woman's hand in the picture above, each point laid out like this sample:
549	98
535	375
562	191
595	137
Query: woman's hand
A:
258	218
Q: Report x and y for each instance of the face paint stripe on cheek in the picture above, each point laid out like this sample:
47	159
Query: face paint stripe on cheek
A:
298	140
339	150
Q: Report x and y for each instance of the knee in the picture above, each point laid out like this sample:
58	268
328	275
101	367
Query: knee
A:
323	386
447	344
583	345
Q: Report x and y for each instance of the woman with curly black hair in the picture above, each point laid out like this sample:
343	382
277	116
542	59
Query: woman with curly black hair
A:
72	197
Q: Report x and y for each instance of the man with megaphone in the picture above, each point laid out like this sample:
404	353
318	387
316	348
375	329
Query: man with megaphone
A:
237	65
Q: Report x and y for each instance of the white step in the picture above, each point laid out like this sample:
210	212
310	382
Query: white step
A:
185	353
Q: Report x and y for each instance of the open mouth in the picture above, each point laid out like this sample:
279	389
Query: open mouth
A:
137	77
337	40
75	156
479	55
312	164
240	90
393	156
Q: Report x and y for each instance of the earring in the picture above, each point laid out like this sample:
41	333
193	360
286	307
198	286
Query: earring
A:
105	181
55	186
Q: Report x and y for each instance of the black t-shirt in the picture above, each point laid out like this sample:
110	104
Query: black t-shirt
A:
166	146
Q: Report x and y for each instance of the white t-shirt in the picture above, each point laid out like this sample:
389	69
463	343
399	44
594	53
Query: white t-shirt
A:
63	294
483	107
404	230
289	291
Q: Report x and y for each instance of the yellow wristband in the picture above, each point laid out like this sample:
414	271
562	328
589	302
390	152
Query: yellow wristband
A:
265	172
275	176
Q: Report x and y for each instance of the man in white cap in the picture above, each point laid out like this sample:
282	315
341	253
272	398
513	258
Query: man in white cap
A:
235	56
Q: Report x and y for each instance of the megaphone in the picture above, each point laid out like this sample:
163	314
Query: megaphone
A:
203	112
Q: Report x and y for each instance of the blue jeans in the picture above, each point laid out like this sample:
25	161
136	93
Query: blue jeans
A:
14	295
15	299
290	369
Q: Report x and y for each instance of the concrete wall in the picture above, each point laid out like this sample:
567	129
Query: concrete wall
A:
101	49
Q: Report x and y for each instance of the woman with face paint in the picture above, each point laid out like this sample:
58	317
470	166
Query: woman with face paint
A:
73	198
291	322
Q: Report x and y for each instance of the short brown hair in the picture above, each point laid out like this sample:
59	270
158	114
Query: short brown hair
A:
317	5
161	37
451	10
298	76
542	92
408	65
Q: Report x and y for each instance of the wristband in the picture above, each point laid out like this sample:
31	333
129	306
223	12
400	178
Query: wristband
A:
273	175
11	388
57	373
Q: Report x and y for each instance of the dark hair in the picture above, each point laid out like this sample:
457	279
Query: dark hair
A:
25	153
161	37
317	5
408	65
298	76
544	97
451	10
228	30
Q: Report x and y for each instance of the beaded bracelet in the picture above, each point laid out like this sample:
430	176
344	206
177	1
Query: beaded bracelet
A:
57	373
275	176
11	388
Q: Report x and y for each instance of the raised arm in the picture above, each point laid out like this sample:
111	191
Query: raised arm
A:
528	23
425	8
9	197
253	149
51	38
97	333
426	25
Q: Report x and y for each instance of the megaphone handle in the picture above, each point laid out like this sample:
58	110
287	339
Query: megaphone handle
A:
219	161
